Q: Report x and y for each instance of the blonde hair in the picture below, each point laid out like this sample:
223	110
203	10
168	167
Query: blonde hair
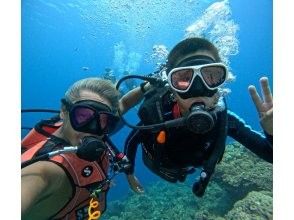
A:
104	88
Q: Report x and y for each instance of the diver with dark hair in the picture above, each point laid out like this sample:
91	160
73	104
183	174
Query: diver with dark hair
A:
184	124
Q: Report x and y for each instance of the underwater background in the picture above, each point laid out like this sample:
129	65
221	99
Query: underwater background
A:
64	41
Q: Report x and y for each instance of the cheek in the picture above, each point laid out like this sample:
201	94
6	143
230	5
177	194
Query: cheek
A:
210	102
72	135
186	104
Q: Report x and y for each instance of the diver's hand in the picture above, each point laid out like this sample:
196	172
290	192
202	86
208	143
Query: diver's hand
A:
263	106
145	86
135	184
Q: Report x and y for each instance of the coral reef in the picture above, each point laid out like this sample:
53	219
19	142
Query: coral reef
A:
256	205
241	188
241	172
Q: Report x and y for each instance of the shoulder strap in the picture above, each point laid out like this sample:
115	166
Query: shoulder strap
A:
40	132
217	153
30	153
156	101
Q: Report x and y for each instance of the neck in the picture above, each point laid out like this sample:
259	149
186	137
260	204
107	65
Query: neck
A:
60	134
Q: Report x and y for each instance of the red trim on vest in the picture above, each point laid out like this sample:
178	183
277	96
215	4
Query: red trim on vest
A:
32	151
176	111
34	137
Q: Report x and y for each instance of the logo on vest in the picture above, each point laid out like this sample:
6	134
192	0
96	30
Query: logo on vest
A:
87	171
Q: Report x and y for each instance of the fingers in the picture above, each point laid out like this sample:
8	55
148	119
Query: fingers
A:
266	91
267	115
135	184
266	121
138	189
255	97
270	113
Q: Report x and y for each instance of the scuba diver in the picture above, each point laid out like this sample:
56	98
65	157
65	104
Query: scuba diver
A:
184	122
66	161
109	75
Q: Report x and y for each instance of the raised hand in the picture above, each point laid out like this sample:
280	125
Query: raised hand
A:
264	105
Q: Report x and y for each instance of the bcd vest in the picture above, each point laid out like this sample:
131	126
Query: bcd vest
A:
85	176
157	103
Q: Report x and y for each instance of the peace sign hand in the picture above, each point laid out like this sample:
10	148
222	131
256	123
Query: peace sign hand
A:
263	106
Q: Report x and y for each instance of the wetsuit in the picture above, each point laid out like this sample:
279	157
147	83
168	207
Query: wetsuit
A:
184	149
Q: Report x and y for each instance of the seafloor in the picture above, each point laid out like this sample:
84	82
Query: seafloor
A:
241	188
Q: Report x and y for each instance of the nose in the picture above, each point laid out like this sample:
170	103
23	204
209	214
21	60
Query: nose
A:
197	84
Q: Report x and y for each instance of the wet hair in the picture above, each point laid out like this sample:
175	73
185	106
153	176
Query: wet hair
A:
104	88
188	46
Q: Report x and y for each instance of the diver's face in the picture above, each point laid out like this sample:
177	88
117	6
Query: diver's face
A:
75	137
209	102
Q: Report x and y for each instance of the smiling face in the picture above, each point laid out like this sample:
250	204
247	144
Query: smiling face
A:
66	131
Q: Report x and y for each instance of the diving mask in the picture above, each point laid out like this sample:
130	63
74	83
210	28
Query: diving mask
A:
90	116
197	76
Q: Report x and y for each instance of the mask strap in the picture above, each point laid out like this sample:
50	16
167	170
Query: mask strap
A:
66	103
196	60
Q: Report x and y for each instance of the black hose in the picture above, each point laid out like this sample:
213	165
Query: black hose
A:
26	128
39	110
153	80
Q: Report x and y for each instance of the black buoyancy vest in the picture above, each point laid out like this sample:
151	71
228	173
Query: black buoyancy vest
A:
153	110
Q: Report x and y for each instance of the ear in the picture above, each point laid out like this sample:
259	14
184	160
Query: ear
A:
62	113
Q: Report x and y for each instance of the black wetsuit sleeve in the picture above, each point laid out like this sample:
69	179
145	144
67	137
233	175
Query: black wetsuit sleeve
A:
259	144
130	149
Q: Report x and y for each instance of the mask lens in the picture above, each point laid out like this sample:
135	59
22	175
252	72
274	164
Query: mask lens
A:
104	118
181	79
213	76
92	117
108	122
82	115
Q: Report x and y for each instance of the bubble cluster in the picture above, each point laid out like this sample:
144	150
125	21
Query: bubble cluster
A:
134	60
217	26
119	57
124	60
144	21
159	54
140	19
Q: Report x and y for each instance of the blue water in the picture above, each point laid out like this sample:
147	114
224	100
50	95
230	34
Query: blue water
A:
59	38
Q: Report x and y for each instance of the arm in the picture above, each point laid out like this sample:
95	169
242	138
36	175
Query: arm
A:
254	141
130	151
39	182
132	98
